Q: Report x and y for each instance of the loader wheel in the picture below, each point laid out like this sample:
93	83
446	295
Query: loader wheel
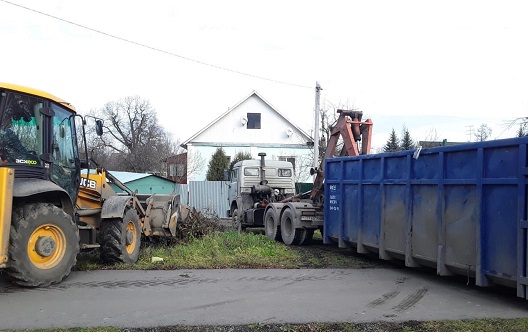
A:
290	234
43	245
272	227
121	239
237	225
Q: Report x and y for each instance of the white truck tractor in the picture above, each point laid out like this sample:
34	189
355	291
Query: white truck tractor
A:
262	194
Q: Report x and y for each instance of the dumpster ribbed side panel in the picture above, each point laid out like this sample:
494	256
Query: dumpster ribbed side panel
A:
460	209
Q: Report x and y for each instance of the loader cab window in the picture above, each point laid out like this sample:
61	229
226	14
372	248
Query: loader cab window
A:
20	134
64	150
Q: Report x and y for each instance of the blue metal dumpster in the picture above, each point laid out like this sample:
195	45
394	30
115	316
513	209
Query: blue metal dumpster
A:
460	209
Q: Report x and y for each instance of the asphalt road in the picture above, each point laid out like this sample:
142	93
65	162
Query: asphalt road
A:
232	297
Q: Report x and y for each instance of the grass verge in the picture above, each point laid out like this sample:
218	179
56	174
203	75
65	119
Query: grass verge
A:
231	250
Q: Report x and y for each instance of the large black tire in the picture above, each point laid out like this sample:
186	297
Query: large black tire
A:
120	239
43	245
235	219
272	226
307	236
290	234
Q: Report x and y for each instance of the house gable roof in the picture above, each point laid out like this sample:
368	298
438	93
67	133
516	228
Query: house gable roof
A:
232	109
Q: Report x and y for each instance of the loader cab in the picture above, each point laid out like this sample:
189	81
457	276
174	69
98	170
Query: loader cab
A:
38	138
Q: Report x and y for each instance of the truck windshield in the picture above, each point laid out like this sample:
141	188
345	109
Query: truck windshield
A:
19	132
285	172
251	171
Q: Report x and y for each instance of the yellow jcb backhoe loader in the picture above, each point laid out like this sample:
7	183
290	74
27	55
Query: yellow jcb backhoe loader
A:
44	219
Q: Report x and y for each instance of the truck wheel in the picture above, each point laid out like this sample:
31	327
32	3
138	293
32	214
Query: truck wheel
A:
290	234
237	226
307	236
43	245
271	226
121	238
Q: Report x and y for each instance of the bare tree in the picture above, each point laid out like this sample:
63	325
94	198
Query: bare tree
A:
432	139
328	120
195	163
134	140
303	165
483	133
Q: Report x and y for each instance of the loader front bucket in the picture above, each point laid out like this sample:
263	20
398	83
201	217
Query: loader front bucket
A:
163	213
180	214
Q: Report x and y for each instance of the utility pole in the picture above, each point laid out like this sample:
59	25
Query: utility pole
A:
470	131
316	129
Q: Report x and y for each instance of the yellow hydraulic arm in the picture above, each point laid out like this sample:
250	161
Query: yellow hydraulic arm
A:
7	177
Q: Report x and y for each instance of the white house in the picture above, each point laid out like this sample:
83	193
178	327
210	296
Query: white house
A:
253	126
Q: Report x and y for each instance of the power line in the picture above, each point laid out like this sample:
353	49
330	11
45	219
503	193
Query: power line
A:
157	49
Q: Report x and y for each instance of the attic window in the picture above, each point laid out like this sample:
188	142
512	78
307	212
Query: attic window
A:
253	121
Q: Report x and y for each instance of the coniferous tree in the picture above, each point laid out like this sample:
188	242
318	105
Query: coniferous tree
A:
238	157
392	143
217	165
521	132
406	142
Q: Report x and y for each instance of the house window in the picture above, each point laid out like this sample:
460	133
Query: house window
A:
176	170
180	170
253	121
290	159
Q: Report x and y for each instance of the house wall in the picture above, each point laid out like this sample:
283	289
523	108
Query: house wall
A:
231	129
276	137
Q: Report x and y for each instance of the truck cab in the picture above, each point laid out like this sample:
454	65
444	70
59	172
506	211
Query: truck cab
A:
253	185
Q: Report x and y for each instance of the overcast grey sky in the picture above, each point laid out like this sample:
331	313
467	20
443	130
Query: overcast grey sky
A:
438	66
